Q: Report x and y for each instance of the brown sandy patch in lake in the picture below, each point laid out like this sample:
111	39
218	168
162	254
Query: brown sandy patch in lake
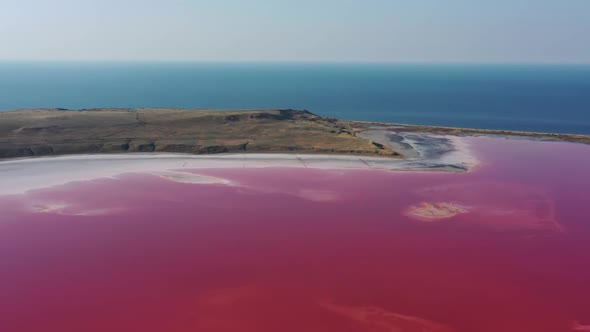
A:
429	211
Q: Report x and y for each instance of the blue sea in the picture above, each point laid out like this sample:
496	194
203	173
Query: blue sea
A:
545	98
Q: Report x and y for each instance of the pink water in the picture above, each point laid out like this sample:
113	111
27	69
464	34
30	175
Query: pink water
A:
308	250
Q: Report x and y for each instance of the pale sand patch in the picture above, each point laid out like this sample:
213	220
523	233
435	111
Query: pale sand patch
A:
429	211
66	209
190	178
500	205
309	194
49	207
379	319
576	326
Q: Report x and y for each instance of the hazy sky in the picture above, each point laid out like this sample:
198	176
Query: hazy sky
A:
297	30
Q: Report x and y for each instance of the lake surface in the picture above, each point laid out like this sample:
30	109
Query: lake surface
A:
282	249
545	98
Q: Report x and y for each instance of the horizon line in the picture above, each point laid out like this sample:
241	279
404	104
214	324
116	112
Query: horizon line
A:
294	62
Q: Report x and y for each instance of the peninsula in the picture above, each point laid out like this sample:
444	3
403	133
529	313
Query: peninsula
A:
47	132
58	132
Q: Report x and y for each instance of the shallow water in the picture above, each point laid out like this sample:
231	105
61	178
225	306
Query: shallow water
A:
284	249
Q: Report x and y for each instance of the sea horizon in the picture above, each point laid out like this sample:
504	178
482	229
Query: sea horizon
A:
538	97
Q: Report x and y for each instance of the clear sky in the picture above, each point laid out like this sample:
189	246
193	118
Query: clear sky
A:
297	30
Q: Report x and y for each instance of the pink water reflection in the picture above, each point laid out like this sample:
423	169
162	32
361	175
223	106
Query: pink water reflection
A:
308	250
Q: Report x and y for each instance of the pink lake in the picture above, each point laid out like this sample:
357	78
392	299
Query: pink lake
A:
284	249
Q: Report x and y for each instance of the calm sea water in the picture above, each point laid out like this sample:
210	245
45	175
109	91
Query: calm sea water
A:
517	97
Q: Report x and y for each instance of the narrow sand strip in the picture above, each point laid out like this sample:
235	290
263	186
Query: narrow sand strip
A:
21	175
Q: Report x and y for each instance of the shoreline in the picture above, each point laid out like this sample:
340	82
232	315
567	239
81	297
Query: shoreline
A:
277	132
24	174
463	131
443	154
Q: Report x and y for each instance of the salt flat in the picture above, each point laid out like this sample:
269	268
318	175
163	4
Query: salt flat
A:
21	175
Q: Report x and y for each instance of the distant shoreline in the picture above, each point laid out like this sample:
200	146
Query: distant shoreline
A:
516	97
